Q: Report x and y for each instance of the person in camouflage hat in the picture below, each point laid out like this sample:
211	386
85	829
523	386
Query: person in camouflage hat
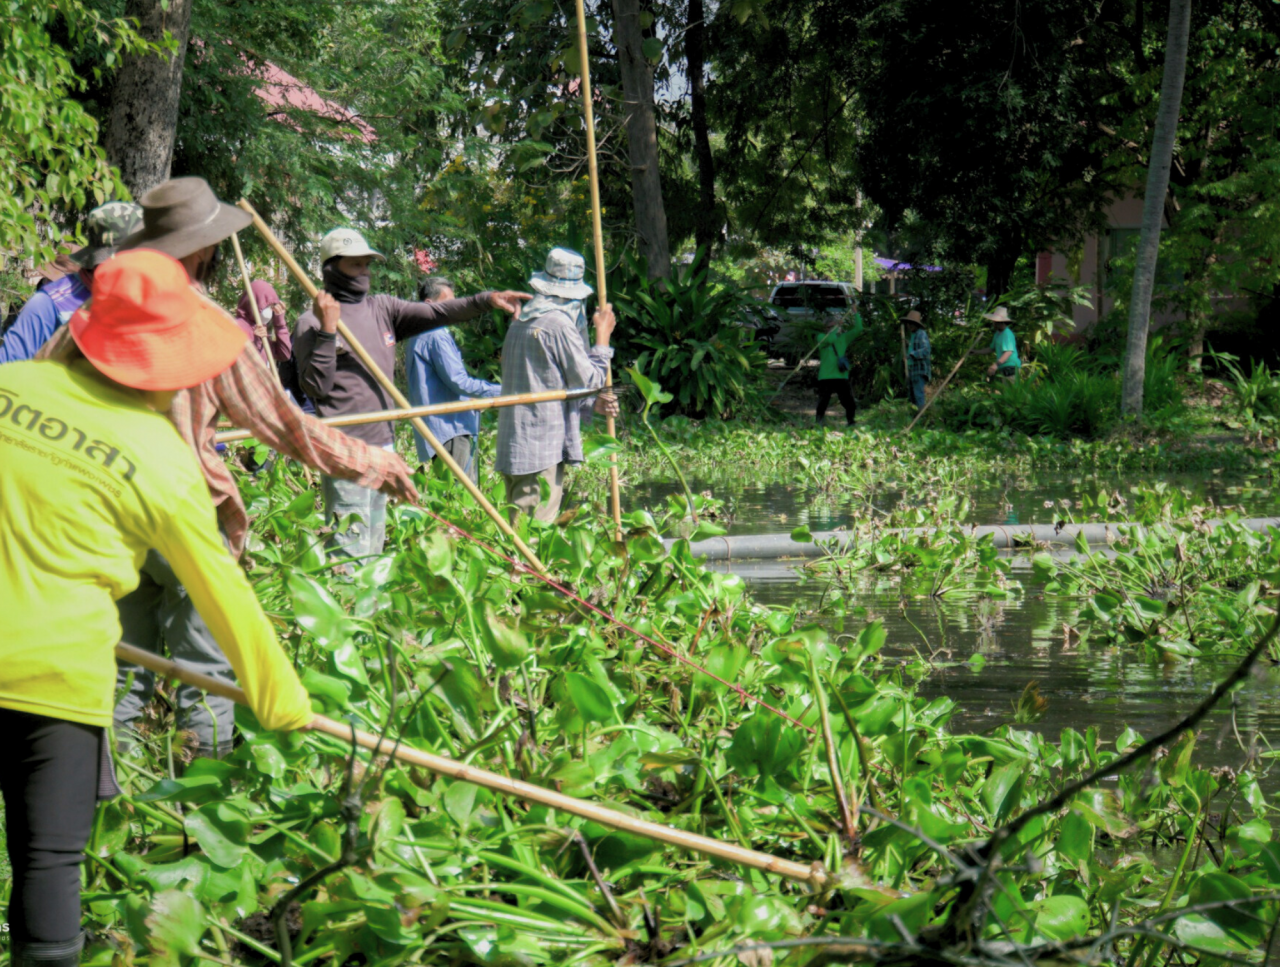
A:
106	226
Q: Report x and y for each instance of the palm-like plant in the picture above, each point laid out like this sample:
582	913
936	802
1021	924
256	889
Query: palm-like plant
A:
687	333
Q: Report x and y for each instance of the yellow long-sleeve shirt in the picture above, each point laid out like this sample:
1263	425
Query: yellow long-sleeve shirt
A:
90	478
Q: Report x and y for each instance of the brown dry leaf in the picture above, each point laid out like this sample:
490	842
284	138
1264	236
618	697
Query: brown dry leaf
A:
760	957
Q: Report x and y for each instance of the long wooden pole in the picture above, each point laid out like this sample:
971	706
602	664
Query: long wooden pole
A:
778	391
253	302
929	402
597	234
813	874
435	409
386	382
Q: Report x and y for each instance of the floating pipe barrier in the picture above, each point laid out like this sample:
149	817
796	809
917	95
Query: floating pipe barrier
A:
774	546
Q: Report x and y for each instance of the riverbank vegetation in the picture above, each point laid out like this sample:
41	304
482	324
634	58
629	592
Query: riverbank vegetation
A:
876	456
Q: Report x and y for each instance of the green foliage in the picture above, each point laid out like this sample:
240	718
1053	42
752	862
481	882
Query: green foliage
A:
933	565
1066	391
51	162
1171	587
1164	581
443	646
978	150
655	396
1223	231
837	261
1257	396
784	100
306	172
688	333
939	462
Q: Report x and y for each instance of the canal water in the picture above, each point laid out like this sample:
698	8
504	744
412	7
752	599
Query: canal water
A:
778	506
983	653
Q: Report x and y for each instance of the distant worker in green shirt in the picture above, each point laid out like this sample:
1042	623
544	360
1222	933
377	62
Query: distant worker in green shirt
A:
834	367
1003	345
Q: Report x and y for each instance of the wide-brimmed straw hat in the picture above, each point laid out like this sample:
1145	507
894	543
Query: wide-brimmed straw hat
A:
106	228
562	275
346	243
147	328
913	316
999	314
182	216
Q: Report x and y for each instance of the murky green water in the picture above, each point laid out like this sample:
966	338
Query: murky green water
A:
983	653
778	506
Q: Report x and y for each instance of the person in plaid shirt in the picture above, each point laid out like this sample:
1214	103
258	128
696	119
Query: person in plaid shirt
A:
159	610
919	357
546	349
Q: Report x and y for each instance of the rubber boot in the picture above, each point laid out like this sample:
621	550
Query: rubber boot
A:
65	953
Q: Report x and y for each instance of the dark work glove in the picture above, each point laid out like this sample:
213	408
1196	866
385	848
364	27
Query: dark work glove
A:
843	364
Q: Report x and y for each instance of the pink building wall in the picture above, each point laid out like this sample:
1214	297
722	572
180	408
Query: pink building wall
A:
1085	264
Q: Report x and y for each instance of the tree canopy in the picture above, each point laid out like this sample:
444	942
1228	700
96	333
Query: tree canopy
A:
975	137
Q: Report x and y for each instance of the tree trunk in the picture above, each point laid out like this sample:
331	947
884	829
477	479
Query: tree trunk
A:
1195	346
706	229
1144	272
642	138
144	98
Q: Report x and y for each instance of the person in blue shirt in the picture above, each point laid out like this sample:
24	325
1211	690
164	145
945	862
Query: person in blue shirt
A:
436	374
54	304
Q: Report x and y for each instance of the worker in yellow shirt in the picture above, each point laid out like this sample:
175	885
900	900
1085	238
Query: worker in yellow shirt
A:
92	475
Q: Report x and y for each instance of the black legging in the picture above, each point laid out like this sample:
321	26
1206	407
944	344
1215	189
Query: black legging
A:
49	778
840	388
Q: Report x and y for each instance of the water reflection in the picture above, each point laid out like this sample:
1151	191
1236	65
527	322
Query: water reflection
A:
983	653
778	506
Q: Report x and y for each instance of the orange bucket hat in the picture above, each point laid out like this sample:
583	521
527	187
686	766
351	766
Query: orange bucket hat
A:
146	328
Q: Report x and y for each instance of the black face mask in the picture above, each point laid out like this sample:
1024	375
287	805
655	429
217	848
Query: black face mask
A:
343	287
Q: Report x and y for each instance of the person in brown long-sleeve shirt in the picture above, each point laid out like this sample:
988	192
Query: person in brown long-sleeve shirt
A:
182	217
338	383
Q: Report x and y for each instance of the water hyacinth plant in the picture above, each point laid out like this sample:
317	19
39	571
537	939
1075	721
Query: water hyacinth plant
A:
691	705
691	334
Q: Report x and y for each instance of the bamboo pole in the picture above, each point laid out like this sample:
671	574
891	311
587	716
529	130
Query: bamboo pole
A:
778	391
812	874
386	382
954	369
253	302
434	409
597	235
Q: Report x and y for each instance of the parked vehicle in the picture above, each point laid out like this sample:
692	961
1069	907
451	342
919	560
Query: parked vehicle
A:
802	309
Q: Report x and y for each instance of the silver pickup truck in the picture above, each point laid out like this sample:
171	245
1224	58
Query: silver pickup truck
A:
800	311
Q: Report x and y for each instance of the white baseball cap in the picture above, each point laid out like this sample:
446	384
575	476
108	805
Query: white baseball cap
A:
346	243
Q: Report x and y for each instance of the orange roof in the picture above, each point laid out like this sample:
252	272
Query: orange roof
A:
280	89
